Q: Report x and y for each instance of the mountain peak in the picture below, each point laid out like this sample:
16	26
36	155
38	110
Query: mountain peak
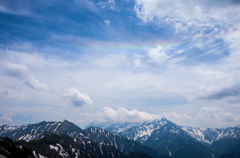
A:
164	119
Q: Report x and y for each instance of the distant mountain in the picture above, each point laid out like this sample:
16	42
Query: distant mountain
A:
177	141
210	135
163	136
136	131
119	142
60	127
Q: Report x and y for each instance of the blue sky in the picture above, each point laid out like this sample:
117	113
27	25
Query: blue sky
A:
120	61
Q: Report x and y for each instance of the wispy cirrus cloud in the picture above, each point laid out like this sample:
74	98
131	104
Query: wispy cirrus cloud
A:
110	4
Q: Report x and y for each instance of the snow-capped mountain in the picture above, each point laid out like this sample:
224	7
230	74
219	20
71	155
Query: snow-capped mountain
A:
63	126
163	136
119	142
31	136
96	141
210	135
136	131
63	146
169	138
142	131
153	138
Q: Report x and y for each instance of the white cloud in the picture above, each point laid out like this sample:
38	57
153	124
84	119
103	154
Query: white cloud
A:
110	5
158	55
20	72
214	114
185	11
112	61
33	83
14	70
210	116
191	17
124	115
138	61
76	98
107	22
7	117
177	118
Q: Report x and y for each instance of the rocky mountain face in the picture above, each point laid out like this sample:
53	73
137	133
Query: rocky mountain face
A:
163	136
64	139
119	142
167	138
210	135
9	150
59	127
159	137
64	146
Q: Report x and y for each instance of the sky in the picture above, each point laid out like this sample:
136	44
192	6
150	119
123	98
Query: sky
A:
120	61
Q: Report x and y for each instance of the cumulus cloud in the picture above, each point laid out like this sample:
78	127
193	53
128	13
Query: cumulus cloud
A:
33	83
7	117
20	72
233	91
158	55
76	98
177	118
124	115
14	70
214	114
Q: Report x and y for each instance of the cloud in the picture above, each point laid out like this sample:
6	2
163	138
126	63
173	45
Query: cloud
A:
4	93
107	22
17	11
191	17
236	107
76	98
177	118
228	92
110	5
7	117
33	83
138	61
158	55
14	70
124	115
214	114
20	71
181	10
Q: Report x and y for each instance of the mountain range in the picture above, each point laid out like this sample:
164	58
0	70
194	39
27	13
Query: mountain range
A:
159	138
